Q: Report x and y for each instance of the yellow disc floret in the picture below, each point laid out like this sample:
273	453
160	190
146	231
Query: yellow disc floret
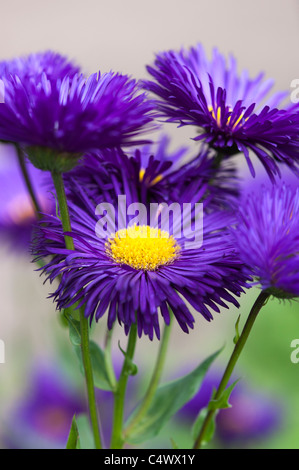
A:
142	247
218	118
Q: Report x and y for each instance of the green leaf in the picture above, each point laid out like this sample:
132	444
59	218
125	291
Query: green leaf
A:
214	405
222	402
132	369
210	431
74	332
169	399
85	431
173	444
73	441
74	328
54	195
97	357
101	377
237	336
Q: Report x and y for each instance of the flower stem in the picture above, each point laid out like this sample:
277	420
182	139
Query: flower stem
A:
26	177
84	330
259	303
108	359
217	160
63	207
155	380
117	440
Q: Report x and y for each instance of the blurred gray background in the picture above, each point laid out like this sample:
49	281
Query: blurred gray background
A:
124	35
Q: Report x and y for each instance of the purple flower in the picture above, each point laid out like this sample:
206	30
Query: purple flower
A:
154	174
49	62
249	186
42	418
252	416
267	237
17	216
233	111
63	118
138	272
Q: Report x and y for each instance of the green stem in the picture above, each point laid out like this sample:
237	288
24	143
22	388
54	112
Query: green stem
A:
218	160
27	180
84	330
89	379
108	359
63	207
117	440
259	303
155	380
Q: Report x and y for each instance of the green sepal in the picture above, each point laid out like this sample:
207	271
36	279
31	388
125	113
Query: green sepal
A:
73	441
48	159
278	293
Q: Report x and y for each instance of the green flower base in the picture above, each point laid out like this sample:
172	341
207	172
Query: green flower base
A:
48	159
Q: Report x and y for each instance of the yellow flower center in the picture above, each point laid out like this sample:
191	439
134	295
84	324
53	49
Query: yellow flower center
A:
147	181
143	247
217	116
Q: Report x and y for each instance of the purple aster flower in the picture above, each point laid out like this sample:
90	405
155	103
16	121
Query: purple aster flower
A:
252	416
43	417
233	111
138	272
267	237
59	120
34	65
249	186
154	174
17	216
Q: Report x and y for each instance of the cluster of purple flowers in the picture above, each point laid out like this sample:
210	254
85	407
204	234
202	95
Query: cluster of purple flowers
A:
89	128
122	264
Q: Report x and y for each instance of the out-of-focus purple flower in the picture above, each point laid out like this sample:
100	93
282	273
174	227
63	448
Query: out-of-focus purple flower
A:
58	120
17	216
42	419
248	185
233	111
253	415
267	237
54	65
154	174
